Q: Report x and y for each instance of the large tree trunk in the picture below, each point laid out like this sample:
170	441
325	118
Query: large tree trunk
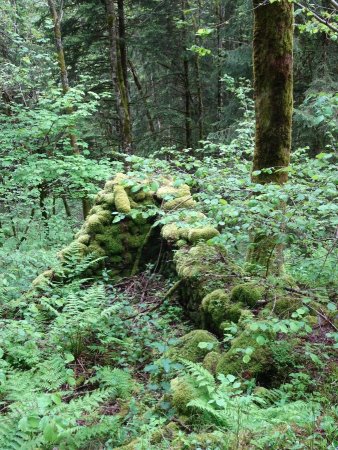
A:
273	45
273	83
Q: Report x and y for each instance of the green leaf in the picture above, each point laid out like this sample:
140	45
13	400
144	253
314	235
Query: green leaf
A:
246	359
260	340
50	432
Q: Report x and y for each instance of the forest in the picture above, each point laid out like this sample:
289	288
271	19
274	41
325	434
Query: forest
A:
168	224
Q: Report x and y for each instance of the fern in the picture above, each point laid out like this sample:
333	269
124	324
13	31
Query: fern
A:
117	381
225	404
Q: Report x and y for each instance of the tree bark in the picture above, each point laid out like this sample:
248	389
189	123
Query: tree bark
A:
118	63
186	84
273	83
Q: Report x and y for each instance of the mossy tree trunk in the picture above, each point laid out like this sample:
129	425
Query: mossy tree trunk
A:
273	84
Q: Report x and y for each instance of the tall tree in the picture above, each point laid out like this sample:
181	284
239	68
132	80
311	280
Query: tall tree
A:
118	63
65	88
273	83
62	63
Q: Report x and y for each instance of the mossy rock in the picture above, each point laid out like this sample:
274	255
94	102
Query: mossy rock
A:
285	306
96	250
246	293
83	239
188	346
183	392
95	223
122	202
216	308
108	199
210	361
43	279
171	191
232	362
134	241
202	234
185	202
111	244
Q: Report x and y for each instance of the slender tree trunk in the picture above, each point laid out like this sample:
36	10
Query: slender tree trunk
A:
273	83
67	209
143	97
197	25
62	64
186	84
220	20
65	83
199	99
118	63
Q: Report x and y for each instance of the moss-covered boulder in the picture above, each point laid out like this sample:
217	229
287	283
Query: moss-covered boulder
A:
183	392
188	346
246	293
286	305
216	308
202	234
232	362
211	360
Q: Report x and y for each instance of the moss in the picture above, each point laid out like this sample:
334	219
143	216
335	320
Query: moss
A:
182	393
284	307
190	263
115	259
139	220
181	243
247	293
169	190
171	232
211	360
83	239
272	58
119	178
180	202
231	362
111	244
96	250
140	196
202	234
168	432
95	223
214	440
43	279
216	308
134	241
122	202
109	186
187	347
108	199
